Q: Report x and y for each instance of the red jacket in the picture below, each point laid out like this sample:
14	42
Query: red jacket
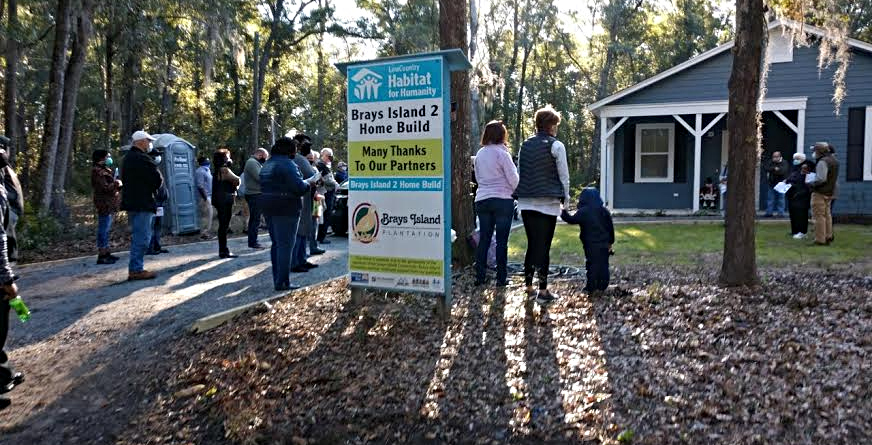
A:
107	194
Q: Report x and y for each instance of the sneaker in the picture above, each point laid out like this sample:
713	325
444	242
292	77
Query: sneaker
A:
257	247
545	297
227	255
113	257
309	265
299	269
141	275
16	380
799	236
317	251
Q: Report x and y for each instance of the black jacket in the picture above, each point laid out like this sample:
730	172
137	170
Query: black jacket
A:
140	179
799	193
777	172
595	220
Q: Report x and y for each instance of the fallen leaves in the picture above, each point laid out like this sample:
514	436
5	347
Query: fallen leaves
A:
662	358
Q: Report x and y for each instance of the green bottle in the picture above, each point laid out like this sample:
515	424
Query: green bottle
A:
20	308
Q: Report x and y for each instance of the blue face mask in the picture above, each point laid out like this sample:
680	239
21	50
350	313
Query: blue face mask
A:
797	162
109	162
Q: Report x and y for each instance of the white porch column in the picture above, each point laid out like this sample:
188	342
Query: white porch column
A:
800	131
604	131
697	161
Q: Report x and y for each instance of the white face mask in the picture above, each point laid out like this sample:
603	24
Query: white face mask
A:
157	159
150	147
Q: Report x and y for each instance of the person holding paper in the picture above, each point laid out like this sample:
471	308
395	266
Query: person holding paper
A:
824	189
776	171
799	196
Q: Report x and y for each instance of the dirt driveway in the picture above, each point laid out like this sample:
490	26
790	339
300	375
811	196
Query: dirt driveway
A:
96	341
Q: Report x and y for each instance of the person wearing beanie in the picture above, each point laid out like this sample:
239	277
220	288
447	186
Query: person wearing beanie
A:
107	201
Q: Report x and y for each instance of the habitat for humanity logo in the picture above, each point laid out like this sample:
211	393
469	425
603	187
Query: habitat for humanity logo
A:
365	223
368	83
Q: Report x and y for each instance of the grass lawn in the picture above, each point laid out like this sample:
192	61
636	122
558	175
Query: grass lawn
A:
696	244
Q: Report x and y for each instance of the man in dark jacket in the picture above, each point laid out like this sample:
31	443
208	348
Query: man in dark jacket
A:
281	187
306	228
141	180
777	171
9	379
597	234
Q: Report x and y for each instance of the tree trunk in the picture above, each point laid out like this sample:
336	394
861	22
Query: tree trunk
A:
319	111
507	88
255	99
72	79
108	115
452	32
22	146
237	102
130	109
475	129
165	96
11	85
53	104
739	266
603	90
527	50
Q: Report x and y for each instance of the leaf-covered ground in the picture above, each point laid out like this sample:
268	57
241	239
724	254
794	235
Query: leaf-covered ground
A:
662	358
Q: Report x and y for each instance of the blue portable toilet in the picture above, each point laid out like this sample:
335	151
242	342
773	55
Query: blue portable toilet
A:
177	165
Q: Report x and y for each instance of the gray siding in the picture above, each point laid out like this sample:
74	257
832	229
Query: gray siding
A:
708	81
651	195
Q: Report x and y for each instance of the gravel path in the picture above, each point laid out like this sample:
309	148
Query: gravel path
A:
96	339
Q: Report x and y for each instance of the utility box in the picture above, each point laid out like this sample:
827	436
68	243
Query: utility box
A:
177	166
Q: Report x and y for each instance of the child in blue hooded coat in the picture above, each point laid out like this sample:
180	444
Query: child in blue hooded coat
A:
597	234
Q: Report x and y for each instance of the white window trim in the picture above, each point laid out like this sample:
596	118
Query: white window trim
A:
867	146
670	166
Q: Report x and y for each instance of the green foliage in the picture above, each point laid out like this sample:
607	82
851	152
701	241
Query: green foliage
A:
35	231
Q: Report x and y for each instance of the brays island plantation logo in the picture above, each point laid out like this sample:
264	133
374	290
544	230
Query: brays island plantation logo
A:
368	83
365	223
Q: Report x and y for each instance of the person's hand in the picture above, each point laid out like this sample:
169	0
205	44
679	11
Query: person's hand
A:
10	291
118	183
312	180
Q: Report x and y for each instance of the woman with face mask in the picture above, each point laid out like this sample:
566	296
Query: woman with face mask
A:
107	201
799	196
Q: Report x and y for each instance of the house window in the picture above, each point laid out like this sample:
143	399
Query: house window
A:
859	151
655	152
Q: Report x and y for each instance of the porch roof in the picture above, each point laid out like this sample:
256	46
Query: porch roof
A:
684	108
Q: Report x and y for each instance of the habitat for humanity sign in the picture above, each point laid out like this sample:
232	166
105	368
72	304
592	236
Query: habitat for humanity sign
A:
396	168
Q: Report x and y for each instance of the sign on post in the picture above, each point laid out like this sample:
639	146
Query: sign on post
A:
399	164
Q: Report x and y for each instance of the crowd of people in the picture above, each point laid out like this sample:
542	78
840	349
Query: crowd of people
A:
138	188
291	187
539	182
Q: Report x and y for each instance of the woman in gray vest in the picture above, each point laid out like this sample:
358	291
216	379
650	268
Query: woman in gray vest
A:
542	189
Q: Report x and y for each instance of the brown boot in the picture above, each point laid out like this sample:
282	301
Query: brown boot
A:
142	275
105	257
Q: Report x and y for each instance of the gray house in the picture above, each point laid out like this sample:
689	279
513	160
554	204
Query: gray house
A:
664	136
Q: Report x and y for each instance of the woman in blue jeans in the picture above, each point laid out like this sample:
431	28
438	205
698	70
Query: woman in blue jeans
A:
107	200
497	178
282	188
